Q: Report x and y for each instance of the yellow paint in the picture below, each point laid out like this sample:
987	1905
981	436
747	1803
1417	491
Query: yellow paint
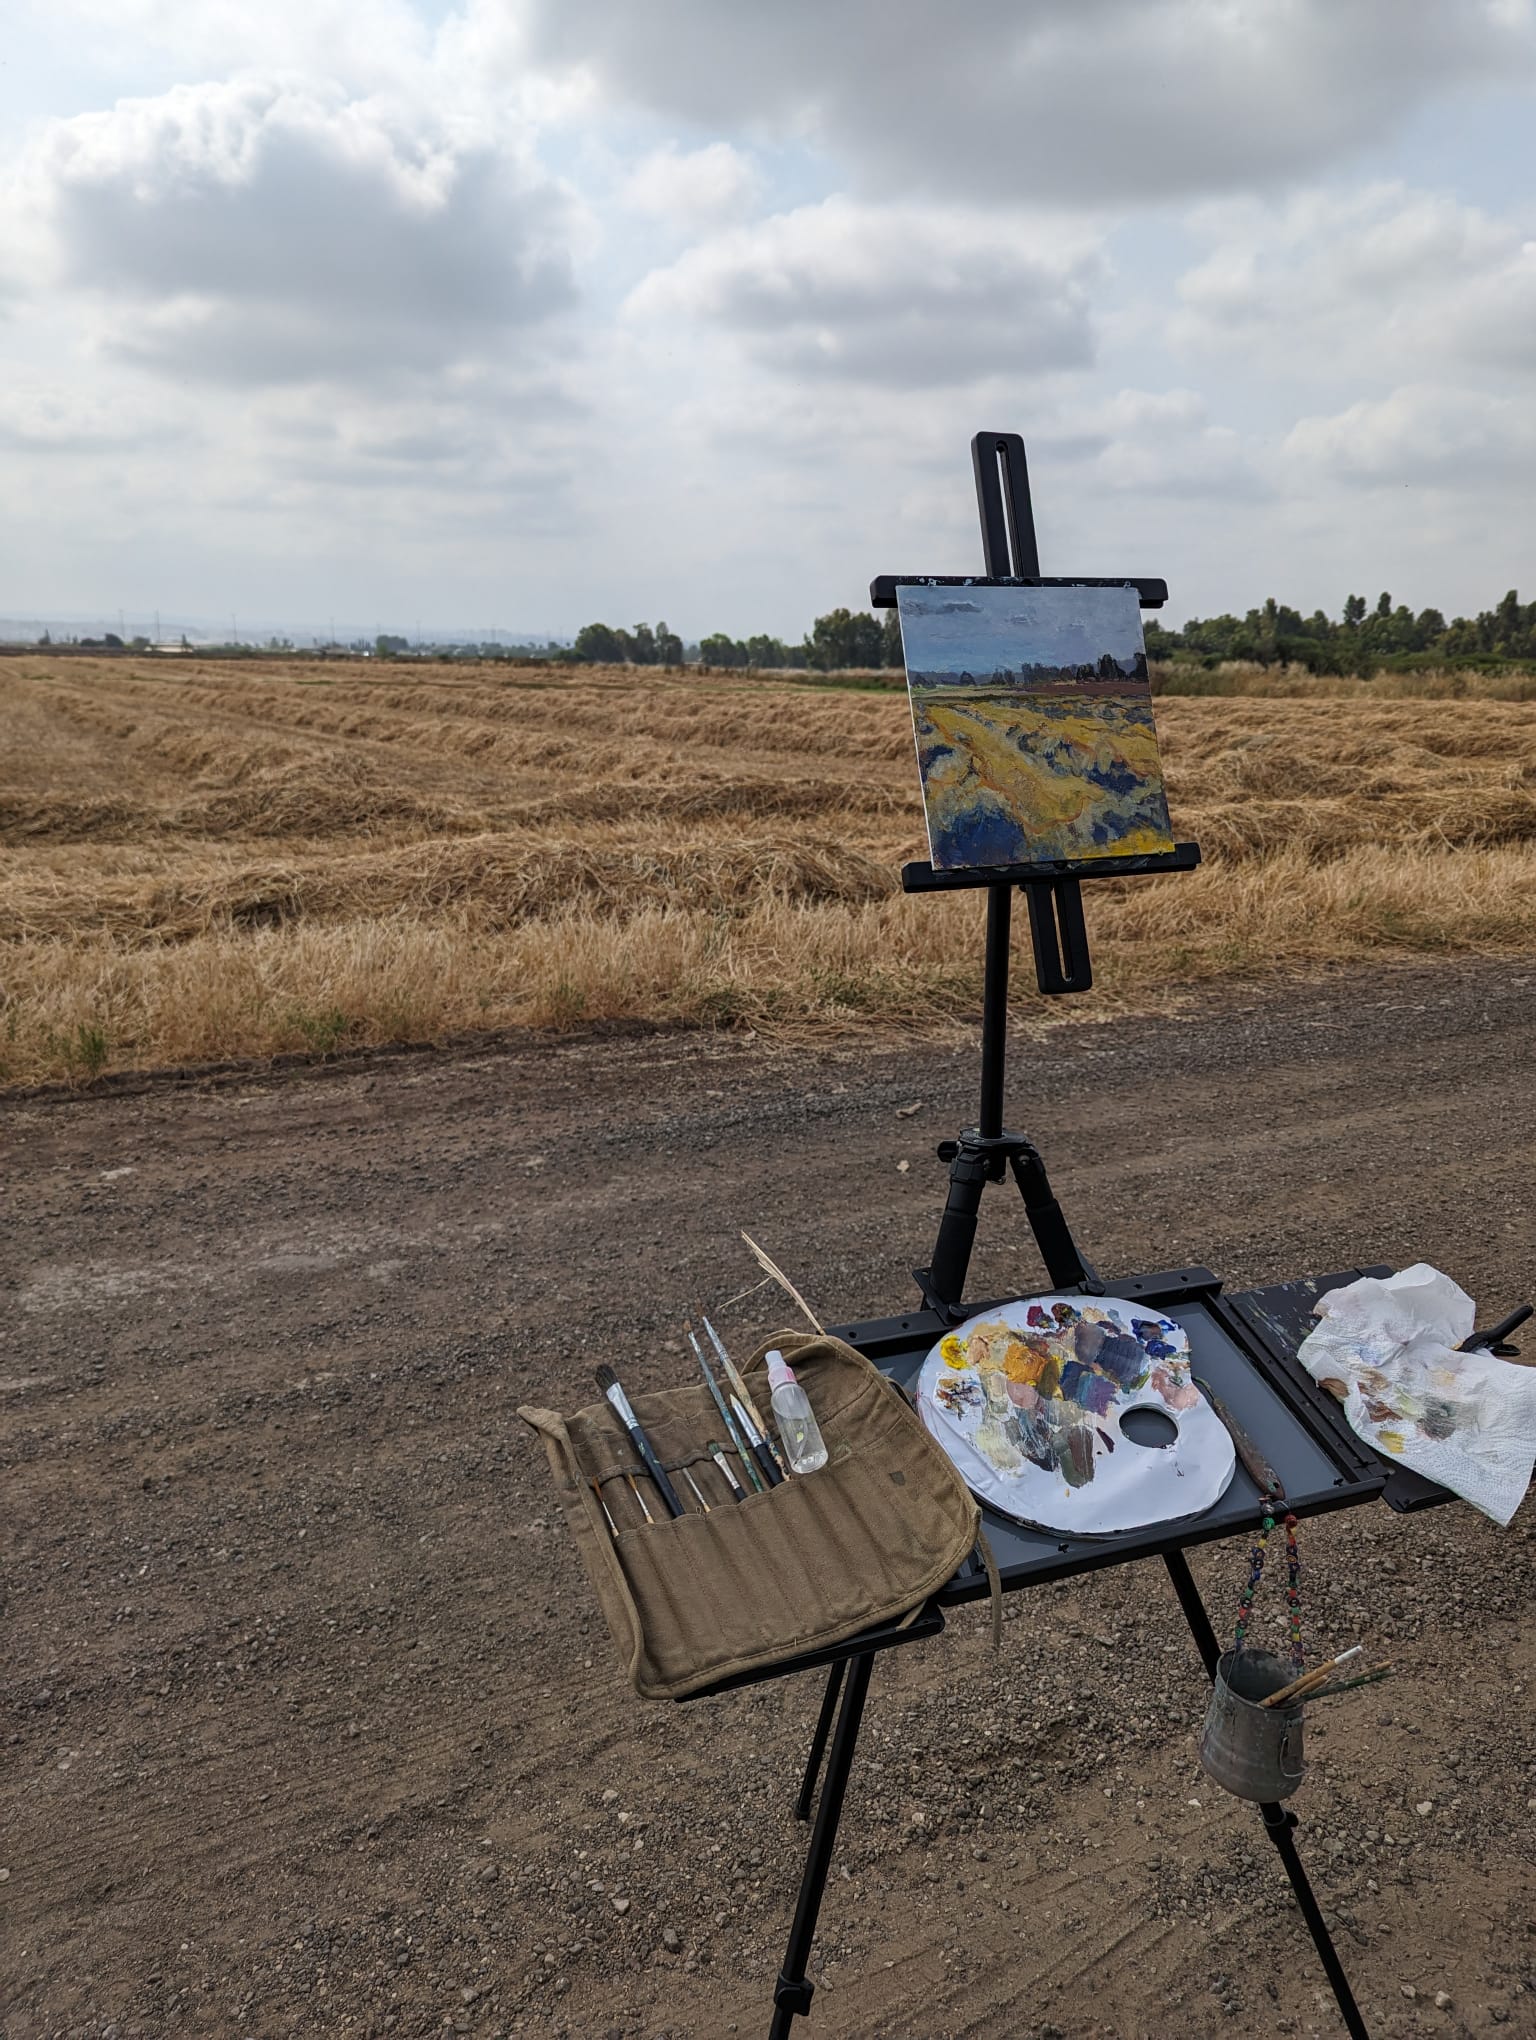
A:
1391	1440
1033	756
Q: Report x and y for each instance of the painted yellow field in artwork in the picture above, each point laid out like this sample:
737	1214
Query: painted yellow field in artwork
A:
1010	776
210	860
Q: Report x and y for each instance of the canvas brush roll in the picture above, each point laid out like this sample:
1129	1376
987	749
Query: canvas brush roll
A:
696	1598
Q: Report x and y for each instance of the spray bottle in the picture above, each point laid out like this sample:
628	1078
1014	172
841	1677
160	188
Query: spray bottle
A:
803	1446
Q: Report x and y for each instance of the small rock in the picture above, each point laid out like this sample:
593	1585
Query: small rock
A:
902	1168
1409	1991
609	1796
1442	2001
909	1111
671	1940
1424	1806
621	1906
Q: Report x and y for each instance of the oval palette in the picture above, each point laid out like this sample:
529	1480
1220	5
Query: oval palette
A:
1030	1401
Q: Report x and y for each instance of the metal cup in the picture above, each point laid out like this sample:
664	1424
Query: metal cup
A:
1252	1751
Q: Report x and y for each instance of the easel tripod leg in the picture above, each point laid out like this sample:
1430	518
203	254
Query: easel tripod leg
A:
819	1740
792	1994
1278	1823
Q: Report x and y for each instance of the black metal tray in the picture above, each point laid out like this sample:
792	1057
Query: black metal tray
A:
1297	1427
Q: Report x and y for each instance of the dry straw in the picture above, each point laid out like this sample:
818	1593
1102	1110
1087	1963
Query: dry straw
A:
205	862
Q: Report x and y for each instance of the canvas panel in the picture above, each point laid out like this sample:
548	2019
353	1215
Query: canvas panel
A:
1032	711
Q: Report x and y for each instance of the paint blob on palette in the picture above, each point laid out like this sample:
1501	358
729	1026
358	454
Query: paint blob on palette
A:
1032	711
1029	1399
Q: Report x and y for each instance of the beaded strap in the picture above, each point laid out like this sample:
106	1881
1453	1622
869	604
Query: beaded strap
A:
1256	1557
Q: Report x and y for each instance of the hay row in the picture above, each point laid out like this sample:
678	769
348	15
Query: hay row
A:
312	803
488	882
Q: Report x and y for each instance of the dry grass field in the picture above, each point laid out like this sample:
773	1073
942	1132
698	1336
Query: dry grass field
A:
205	861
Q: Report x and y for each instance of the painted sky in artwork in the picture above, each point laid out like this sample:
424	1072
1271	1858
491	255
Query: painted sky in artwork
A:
981	631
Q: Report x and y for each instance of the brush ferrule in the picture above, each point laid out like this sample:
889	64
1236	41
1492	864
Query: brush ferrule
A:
620	1401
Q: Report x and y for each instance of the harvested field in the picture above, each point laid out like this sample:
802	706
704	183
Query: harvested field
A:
207	861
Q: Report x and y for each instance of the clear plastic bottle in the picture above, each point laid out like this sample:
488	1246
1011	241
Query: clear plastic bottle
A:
803	1445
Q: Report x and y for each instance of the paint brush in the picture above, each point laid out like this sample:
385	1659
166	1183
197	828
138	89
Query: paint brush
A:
609	1383
613	1530
717	1454
1255	1465
733	1375
1308	1682
640	1498
759	1445
725	1416
1382	1671
687	1476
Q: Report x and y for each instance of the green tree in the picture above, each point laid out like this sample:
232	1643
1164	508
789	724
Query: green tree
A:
890	639
669	646
719	650
843	638
599	645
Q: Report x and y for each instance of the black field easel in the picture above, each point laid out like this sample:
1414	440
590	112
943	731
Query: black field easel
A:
1053	892
1244	1345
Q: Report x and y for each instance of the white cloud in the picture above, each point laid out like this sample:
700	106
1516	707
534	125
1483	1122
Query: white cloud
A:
51	418
263	231
1074	101
901	297
1151	444
695	188
1422	438
383	45
1385	280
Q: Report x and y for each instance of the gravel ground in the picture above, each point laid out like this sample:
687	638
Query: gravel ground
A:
311	1725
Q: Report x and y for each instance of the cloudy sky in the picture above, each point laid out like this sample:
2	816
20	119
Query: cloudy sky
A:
523	312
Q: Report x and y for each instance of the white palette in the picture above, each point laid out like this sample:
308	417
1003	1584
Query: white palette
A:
1028	1401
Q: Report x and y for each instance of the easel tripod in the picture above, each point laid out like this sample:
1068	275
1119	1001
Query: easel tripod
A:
985	1153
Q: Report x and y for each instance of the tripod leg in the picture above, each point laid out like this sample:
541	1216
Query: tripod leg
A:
1065	1262
968	1177
1278	1823
1280	1826
819	1740
792	1994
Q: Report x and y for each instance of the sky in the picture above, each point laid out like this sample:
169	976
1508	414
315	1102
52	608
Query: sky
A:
524	313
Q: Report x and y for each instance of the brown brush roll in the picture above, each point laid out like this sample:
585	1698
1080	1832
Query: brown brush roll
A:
696	1598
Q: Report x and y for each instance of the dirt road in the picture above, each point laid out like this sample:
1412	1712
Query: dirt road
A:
310	1725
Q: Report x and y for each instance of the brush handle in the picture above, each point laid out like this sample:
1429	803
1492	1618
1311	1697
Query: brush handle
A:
731	1430
760	1452
738	1493
654	1468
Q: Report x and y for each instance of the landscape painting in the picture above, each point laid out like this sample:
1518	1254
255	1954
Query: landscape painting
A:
1033	716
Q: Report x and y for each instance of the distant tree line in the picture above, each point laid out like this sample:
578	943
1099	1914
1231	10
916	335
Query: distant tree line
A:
1359	642
836	641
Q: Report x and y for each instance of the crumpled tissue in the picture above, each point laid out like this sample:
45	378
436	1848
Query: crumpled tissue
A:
1386	1347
